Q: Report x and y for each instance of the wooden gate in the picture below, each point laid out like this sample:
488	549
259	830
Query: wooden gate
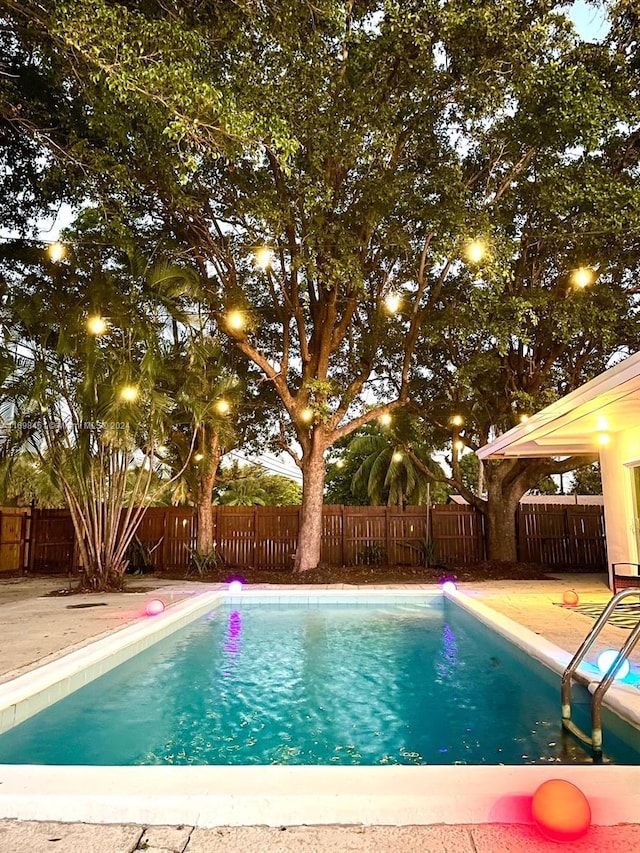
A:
14	535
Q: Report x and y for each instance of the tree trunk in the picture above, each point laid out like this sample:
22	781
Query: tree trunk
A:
506	482
307	554
210	442
501	535
204	534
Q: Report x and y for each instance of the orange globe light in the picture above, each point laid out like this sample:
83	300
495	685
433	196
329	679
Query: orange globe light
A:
570	598
560	810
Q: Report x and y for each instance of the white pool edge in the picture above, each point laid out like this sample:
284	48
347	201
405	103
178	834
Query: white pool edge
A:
277	795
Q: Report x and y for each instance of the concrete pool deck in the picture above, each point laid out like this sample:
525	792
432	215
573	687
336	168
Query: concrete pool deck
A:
34	629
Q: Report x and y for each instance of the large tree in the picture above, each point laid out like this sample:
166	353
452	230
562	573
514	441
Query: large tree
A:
360	144
553	298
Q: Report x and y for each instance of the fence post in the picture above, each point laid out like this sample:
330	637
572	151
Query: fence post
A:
386	533
572	551
33	528
165	540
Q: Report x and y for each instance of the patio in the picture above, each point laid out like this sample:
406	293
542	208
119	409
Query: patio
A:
57	629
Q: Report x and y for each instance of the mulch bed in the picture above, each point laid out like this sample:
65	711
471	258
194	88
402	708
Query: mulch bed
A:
359	574
486	571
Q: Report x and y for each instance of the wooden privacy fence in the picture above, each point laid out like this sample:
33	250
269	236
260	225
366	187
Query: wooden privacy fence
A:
558	536
562	535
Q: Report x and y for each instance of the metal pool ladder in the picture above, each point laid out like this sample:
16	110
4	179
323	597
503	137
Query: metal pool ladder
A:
595	741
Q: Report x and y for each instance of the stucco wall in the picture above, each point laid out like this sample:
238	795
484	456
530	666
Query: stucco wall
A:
616	461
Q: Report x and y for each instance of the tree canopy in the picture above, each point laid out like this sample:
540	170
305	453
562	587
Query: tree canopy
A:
330	169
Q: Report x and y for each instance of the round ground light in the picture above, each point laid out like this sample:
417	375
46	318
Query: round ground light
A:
570	598
154	607
560	810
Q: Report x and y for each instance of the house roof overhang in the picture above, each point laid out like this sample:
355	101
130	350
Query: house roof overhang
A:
574	425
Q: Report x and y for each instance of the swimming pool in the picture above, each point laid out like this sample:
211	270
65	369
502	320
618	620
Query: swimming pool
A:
287	793
404	681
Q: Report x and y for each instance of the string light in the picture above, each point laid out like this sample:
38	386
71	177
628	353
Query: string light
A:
263	257
340	463
475	251
392	303
306	415
96	325
397	456
384	419
129	393
582	277
524	419
198	457
56	252
457	420
223	406
236	321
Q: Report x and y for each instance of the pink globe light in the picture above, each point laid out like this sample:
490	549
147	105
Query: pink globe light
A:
449	586
154	607
235	586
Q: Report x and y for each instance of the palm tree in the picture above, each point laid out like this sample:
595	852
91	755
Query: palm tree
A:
387	473
244	491
85	383
206	393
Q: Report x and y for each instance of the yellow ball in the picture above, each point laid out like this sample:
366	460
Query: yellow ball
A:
570	598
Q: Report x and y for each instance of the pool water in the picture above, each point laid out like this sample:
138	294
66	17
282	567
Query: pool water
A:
415	683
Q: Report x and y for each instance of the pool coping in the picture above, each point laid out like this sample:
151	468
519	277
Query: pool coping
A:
277	795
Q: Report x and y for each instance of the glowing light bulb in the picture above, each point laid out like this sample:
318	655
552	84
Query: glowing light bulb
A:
223	406
459	444
449	586
392	303
306	415
524	419
235	586
560	810
162	448
96	325
457	420
56	252
263	257
129	393
340	463
154	607
475	251
397	456
582	277
605	662
236	321
604	438
602	425
384	419
198	457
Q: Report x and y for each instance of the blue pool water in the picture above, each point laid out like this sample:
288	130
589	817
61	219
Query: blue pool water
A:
401	684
